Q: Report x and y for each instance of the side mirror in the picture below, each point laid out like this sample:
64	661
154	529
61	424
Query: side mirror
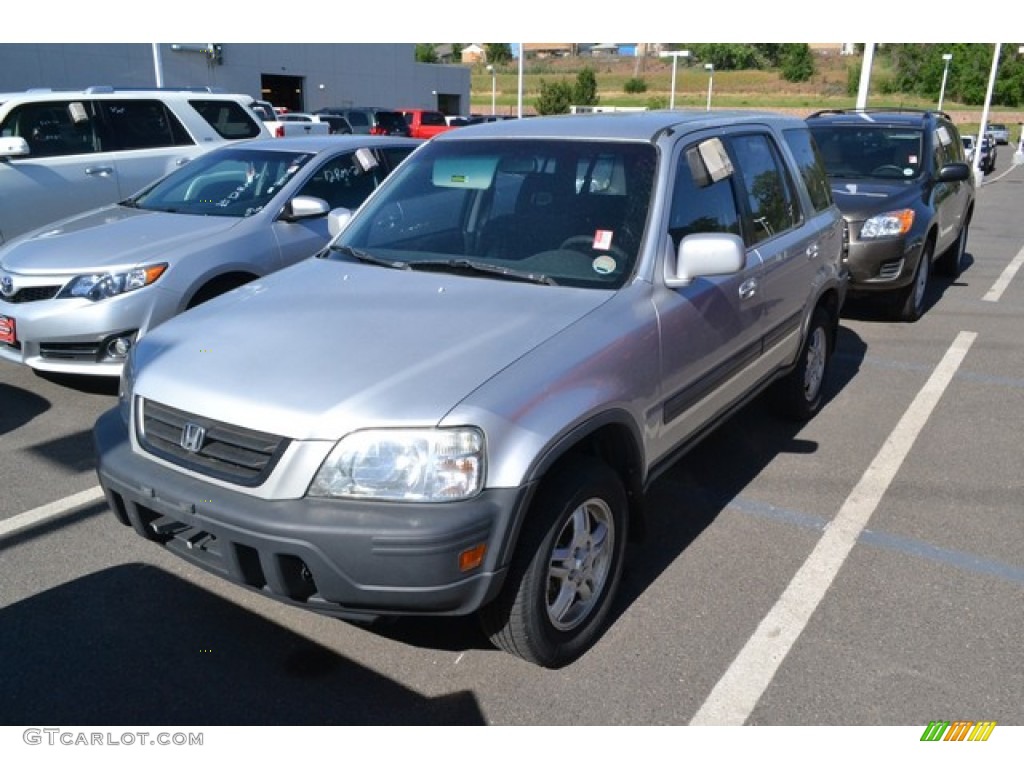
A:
337	220
13	146
303	207
955	172
703	254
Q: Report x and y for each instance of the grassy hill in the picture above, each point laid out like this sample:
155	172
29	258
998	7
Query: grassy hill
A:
743	89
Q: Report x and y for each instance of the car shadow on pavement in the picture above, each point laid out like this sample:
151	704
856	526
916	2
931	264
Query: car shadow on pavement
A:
690	495
18	407
135	645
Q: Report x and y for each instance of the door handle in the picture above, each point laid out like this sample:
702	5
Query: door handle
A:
100	170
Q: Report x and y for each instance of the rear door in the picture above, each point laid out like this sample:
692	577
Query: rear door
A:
148	138
67	171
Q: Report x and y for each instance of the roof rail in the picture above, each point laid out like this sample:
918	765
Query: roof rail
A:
874	110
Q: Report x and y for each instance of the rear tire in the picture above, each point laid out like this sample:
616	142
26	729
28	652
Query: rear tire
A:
800	394
951	263
566	568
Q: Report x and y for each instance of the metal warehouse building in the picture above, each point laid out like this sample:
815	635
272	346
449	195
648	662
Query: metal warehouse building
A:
300	76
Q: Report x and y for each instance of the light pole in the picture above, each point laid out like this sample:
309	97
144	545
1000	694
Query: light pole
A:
946	58
675	55
711	79
494	77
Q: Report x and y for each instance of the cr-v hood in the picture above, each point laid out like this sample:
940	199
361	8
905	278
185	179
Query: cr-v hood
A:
325	347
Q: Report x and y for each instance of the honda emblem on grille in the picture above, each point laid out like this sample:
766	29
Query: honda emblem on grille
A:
6	285
192	436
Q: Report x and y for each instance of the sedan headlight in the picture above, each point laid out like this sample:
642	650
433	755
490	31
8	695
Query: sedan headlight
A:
404	464
891	224
103	285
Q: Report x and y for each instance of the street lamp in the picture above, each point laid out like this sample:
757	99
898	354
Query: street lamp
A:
675	55
494	77
946	58
711	79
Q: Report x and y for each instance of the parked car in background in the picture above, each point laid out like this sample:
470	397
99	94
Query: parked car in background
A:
425	123
371	120
75	296
989	153
969	146
902	182
64	152
339	125
999	132
298	124
460	407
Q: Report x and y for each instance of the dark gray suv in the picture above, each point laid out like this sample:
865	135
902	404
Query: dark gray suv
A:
907	194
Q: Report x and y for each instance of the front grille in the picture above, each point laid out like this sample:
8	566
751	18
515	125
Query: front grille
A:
70	351
35	293
228	452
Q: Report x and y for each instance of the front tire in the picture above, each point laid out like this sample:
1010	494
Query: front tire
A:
910	305
566	568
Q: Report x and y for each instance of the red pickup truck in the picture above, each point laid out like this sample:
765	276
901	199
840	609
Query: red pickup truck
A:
425	123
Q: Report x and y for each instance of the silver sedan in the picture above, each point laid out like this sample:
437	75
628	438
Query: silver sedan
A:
77	294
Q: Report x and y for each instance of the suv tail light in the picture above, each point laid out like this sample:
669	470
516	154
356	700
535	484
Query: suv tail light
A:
378	131
279	132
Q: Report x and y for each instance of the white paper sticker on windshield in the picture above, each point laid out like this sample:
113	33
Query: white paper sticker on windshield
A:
602	240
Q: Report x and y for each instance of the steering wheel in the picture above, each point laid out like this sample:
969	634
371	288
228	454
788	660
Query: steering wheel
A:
887	170
573	243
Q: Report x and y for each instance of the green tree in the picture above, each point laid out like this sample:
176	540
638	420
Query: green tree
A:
498	53
555	98
726	55
426	53
585	90
797	62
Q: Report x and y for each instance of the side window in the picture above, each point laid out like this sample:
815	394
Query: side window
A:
433	118
53	128
394	155
342	182
142	124
812	169
228	118
358	120
701	209
769	196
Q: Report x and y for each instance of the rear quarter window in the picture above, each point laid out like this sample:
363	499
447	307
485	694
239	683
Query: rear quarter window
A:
228	118
143	124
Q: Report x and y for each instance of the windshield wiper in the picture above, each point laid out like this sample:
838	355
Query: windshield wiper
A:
468	265
356	253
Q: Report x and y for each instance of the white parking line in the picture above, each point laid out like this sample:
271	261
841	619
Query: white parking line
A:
51	510
1000	285
738	691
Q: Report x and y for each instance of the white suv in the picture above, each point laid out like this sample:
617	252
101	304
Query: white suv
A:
64	152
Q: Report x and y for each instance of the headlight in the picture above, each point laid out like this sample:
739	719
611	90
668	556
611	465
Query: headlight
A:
404	464
103	285
891	224
126	387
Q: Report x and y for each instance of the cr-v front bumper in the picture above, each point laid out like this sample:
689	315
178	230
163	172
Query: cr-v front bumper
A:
340	557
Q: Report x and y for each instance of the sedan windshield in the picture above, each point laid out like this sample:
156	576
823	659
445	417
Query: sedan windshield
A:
235	182
870	151
548	211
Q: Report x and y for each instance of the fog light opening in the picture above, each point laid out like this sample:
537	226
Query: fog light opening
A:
119	347
472	558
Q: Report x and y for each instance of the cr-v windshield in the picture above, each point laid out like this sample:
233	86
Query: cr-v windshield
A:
557	212
234	182
870	151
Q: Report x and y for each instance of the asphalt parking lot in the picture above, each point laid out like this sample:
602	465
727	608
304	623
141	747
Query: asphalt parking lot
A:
865	569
